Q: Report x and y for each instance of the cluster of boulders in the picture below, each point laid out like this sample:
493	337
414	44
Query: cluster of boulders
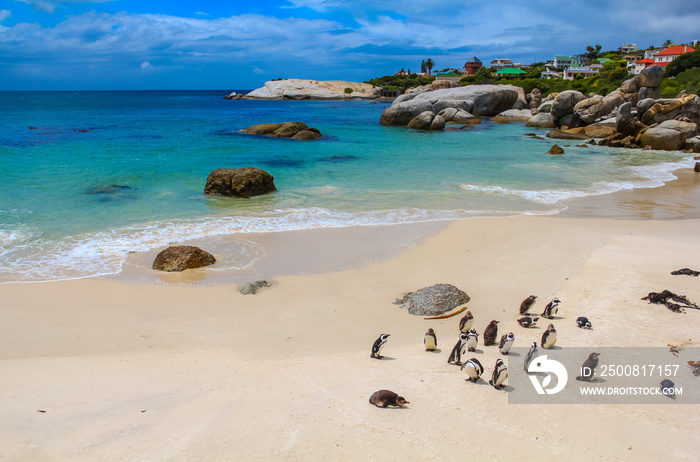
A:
427	108
293	130
633	116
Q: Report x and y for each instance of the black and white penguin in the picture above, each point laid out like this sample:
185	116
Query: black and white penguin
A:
528	321
500	374
385	398
527	304
472	340
466	322
491	333
430	340
549	338
474	369
532	354
378	345
588	367
456	355
506	343
583	323
551	309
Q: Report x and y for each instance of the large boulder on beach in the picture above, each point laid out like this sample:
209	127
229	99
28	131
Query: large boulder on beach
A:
182	257
485	100
239	182
513	115
590	109
314	89
427	121
565	102
434	300
669	135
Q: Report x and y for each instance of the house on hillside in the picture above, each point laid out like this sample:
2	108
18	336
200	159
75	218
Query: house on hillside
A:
472	65
550	74
500	63
662	58
628	49
571	73
510	72
562	62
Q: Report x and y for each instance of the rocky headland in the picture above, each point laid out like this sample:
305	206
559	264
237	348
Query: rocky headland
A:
298	89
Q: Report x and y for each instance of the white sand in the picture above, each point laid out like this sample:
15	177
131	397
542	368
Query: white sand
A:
162	372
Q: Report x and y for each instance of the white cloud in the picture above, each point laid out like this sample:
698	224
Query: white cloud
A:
4	14
146	66
49	6
257	70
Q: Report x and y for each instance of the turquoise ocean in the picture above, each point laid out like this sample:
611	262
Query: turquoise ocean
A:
89	177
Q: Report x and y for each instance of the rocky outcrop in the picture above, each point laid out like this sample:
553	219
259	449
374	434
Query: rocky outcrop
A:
556	150
479	100
458	116
542	120
434	300
565	102
314	89
427	121
239	182
686	108
669	135
294	130
182	257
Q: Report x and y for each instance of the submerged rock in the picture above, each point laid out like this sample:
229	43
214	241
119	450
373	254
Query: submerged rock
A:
239	182
182	257
253	288
434	300
295	130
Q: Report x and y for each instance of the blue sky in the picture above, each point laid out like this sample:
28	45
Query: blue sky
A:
227	45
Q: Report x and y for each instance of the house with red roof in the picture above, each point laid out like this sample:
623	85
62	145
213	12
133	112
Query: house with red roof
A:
662	58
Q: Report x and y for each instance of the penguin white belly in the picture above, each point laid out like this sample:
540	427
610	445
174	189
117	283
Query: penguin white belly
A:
430	343
467	325
379	350
472	372
471	343
550	340
506	347
502	376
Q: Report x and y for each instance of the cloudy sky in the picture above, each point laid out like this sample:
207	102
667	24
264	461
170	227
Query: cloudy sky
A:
240	44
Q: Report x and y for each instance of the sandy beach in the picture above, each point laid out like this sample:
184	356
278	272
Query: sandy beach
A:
104	369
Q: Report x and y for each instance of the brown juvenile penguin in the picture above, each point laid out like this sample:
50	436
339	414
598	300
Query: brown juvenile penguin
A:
466	322
491	333
549	338
527	303
385	398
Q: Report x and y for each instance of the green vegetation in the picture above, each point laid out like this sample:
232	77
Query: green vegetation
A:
683	63
688	81
400	82
348	90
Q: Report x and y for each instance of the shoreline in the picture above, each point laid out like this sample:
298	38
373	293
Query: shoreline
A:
100	369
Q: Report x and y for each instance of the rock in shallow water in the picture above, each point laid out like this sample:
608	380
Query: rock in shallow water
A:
239	182
182	257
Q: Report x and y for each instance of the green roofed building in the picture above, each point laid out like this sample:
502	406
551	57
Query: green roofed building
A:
510	72
453	76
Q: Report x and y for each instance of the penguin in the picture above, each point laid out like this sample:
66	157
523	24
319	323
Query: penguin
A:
551	309
472	340
527	303
528	321
583	323
430	340
456	355
549	338
466	322
500	374
506	343
668	388
378	345
588	367
491	333
385	398
474	369
532	354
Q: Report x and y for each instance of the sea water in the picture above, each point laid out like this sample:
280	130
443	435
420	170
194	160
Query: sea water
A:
89	177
